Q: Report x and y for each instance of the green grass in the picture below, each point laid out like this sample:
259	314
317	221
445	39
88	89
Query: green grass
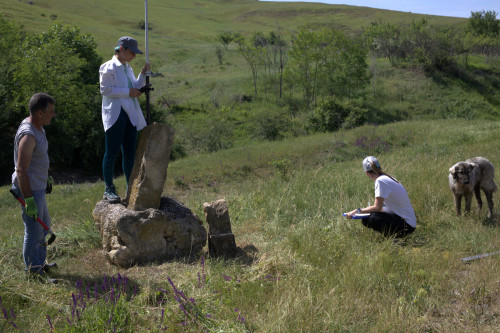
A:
303	266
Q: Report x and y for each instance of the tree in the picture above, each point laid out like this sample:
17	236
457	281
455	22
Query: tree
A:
483	34
253	56
484	23
65	64
225	38
383	39
10	115
306	58
326	62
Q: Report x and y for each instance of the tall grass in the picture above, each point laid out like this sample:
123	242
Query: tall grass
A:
302	266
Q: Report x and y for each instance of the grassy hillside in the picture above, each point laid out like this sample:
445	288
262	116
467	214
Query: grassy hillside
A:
303	267
182	39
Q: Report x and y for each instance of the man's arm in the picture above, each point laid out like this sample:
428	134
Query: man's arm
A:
24	154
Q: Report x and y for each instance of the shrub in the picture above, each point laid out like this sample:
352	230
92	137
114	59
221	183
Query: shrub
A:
331	114
457	110
270	124
214	133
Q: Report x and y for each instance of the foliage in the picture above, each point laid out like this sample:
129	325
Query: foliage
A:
252	53
331	114
383	40
463	110
10	116
326	62
142	25
214	133
219	54
484	23
270	124
62	57
226	38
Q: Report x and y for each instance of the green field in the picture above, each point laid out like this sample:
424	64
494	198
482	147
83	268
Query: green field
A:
302	266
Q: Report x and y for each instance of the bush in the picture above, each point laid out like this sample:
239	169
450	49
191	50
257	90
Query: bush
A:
457	110
11	114
213	134
270	124
331	114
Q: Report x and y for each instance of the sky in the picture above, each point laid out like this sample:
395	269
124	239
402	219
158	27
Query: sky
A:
456	8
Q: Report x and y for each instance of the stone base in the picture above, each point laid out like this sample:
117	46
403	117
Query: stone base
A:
137	237
222	245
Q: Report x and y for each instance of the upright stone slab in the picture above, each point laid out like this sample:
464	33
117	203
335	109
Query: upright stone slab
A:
221	240
150	168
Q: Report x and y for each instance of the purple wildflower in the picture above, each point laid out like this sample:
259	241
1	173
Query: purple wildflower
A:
109	321
227	278
5	313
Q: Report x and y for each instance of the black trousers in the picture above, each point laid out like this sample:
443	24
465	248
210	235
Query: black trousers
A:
389	225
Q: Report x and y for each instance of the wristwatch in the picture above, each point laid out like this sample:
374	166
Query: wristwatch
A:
358	210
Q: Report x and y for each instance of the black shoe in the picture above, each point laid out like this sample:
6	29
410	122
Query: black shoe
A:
51	280
110	194
47	267
42	277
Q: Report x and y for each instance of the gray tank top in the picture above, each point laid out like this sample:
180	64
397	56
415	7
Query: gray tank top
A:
38	170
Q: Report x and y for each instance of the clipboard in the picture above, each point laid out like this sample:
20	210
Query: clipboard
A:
359	216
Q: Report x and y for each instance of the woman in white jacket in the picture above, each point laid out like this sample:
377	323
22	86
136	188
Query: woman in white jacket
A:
392	213
121	114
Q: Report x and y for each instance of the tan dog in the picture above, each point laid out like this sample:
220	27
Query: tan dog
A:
470	177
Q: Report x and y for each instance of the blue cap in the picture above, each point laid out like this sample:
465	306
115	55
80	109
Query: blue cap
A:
129	43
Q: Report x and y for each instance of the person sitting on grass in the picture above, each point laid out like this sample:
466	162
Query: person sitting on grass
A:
392	214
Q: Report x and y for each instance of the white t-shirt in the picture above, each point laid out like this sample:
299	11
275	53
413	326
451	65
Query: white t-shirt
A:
396	200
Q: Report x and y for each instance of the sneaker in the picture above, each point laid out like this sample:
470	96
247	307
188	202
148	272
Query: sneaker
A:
42	277
110	194
47	267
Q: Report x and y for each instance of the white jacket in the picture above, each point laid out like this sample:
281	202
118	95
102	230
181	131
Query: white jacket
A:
115	93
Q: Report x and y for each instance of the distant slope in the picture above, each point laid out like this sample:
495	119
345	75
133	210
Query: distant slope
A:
187	21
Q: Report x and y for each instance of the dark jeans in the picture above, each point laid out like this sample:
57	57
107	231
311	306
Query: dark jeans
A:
389	225
122	134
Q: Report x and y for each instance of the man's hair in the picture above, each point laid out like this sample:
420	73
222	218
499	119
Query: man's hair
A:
40	101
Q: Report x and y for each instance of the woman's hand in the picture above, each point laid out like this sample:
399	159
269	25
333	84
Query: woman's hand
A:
351	214
146	68
133	92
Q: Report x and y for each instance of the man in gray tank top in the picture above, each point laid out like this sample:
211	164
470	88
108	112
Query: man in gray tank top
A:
29	180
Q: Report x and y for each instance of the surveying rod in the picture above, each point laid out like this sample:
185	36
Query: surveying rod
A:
148	72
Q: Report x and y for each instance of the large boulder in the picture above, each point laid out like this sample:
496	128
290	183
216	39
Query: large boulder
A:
132	237
150	168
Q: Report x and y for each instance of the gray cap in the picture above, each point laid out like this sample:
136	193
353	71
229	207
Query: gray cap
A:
367	163
129	43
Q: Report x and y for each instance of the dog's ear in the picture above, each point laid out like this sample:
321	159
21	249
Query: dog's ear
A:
452	170
471	166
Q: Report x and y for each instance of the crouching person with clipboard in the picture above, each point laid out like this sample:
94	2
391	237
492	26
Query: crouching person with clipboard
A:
392	214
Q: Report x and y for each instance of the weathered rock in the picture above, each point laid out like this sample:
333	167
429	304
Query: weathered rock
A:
137	237
221	240
150	168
